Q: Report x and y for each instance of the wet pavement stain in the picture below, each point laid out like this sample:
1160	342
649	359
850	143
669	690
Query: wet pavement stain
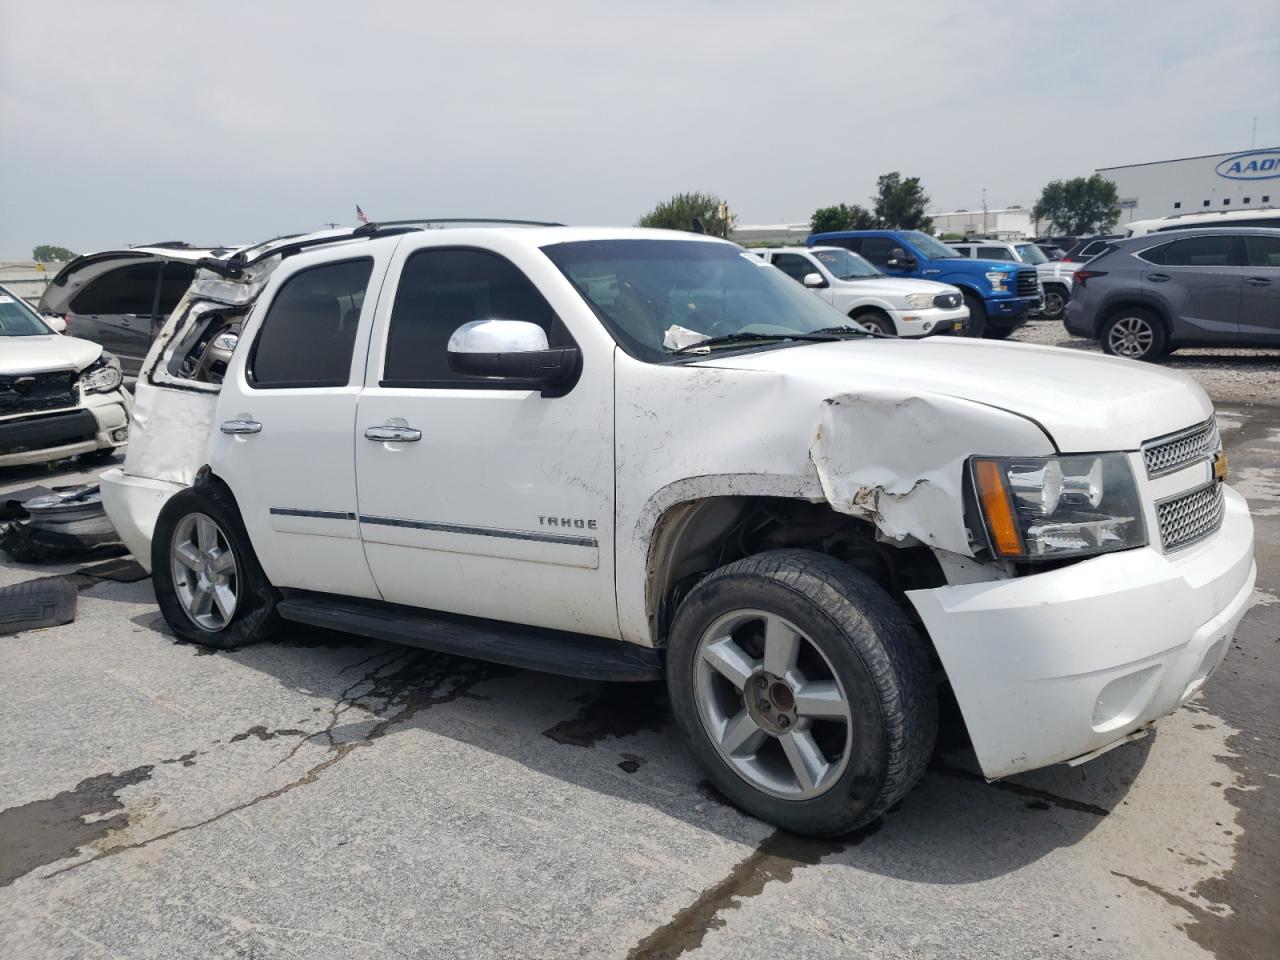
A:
620	710
187	759
262	733
774	861
630	763
45	831
403	684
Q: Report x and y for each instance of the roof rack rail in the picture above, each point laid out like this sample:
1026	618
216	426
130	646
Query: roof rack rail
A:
511	223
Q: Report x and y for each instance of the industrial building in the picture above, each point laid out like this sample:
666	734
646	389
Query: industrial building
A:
1004	223
1246	179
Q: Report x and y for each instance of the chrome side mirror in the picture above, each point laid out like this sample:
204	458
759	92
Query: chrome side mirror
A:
511	350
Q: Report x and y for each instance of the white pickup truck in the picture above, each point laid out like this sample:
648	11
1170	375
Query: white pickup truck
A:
1057	278
630	454
890	305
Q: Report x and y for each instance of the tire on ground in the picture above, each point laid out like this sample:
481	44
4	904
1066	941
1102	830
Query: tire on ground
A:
880	659
1136	319
1054	308
255	617
877	321
977	326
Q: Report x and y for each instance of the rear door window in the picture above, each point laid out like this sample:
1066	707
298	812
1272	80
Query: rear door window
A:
994	253
1201	252
1263	251
129	289
309	333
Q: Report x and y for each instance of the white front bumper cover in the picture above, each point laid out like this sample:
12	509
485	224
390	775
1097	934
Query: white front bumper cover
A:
1060	665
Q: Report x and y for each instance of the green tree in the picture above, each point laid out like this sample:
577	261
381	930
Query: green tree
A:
841	217
1079	206
680	211
48	252
900	203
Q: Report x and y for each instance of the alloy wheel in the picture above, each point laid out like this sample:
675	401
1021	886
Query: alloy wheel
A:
772	705
1131	337
205	575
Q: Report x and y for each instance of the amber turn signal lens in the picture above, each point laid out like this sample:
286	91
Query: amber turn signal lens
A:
997	508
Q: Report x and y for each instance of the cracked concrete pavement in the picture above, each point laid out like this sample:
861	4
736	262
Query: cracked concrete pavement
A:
326	796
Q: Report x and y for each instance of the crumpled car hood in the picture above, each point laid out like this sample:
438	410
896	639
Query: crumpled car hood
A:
1085	402
37	354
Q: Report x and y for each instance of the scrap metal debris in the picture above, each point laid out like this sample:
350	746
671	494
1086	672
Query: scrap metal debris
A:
66	523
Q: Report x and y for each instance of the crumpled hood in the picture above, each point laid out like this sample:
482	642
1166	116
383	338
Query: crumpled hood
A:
1084	401
38	354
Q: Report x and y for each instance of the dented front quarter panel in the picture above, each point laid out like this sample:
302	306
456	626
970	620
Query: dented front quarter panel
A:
887	454
898	459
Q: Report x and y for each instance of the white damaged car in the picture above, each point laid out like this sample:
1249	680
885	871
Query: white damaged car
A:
631	455
59	396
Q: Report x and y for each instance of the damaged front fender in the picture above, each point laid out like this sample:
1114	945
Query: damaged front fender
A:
898	461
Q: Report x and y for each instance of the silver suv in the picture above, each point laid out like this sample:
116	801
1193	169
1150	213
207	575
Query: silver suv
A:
1146	297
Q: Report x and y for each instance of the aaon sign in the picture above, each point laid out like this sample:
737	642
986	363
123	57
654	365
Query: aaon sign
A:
1254	165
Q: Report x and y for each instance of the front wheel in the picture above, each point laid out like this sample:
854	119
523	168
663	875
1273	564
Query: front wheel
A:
876	323
209	585
1134	333
977	326
802	690
1055	303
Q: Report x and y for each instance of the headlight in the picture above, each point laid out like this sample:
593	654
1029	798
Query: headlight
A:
919	301
998	280
1046	508
103	375
226	341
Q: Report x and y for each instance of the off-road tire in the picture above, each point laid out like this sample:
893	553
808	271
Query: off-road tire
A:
880	659
977	326
255	618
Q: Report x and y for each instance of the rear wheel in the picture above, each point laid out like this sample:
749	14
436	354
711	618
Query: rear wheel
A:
876	323
977	326
1134	333
802	690
209	585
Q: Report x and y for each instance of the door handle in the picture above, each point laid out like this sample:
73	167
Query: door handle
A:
1258	281
388	433
1158	277
241	426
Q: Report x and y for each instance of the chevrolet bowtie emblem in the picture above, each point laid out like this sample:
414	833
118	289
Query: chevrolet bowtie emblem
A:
1220	466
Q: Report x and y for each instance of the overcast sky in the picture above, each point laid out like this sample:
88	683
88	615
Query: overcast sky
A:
131	121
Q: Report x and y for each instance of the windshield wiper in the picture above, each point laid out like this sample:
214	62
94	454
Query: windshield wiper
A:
731	338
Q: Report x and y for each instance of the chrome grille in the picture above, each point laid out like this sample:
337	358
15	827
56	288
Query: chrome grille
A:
1189	517
1175	450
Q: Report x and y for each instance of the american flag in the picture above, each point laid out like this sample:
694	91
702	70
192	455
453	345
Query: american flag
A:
361	215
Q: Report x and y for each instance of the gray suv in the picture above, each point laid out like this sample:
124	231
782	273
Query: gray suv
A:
1146	297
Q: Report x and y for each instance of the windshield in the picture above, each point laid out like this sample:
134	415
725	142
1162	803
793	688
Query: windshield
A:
19	320
931	248
1030	253
660	296
844	265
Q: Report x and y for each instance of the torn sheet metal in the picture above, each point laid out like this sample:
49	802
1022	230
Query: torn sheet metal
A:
68	523
898	461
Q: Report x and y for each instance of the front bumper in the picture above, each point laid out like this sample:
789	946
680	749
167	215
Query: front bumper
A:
1060	665
927	323
1006	310
58	434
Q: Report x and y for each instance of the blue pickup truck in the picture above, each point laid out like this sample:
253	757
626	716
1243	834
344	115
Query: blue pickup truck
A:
1001	296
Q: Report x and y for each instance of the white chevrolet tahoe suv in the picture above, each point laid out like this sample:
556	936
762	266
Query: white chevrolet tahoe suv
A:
884	304
630	454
